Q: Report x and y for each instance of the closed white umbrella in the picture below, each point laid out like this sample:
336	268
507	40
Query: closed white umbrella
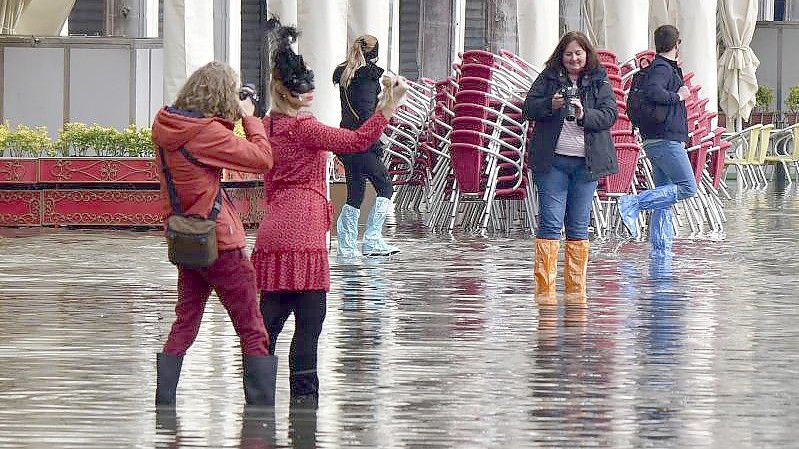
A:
594	15
661	12
10	12
738	63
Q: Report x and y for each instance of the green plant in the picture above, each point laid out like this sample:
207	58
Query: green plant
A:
5	133
763	98
792	102
78	139
25	142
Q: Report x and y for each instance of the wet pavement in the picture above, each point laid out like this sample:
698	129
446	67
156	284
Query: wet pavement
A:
441	346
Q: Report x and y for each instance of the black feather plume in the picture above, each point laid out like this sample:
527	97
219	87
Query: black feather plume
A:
288	66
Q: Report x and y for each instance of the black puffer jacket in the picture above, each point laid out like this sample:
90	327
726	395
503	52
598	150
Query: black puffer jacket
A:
359	99
599	103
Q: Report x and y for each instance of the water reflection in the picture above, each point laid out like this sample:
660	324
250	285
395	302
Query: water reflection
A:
440	346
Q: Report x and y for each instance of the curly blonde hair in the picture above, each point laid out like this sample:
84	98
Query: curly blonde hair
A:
211	90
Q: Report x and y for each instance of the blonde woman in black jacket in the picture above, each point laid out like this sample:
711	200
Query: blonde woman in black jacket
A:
358	79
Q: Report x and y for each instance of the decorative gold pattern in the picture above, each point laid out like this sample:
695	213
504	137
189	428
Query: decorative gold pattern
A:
34	203
12	171
133	197
110	170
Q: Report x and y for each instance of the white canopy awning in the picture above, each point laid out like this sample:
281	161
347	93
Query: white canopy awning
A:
738	63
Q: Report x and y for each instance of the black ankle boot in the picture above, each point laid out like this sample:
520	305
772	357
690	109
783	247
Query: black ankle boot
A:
304	389
168	373
260	376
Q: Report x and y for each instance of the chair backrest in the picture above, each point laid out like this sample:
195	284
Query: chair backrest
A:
612	69
627	157
475	83
752	142
607	56
478	57
762	148
795	143
644	58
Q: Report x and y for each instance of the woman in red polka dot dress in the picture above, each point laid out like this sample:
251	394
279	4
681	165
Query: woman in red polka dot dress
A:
290	254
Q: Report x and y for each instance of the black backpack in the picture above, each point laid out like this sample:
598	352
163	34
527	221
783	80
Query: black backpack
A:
640	109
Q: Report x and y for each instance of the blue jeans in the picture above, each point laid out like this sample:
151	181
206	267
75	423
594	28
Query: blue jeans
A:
565	194
670	165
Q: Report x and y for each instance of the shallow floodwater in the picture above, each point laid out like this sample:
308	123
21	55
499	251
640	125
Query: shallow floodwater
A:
441	346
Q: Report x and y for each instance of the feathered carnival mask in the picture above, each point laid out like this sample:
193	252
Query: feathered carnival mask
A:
288	66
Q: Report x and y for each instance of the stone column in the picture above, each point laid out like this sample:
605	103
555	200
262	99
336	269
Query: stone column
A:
285	10
696	20
626	27
436	34
227	32
371	17
537	22
188	41
502	29
323	44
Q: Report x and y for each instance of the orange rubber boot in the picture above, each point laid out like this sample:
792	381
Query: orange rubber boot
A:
575	267
546	270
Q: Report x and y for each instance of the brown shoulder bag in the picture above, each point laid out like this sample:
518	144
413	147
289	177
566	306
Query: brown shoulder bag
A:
191	239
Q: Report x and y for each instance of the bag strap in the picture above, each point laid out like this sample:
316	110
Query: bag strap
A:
170	185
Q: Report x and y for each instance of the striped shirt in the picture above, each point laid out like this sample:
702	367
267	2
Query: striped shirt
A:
572	140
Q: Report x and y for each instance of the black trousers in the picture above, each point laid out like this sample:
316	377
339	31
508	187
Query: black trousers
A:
359	168
309	309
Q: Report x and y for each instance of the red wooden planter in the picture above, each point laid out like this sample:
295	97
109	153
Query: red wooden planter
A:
18	170
97	170
95	199
20	208
102	208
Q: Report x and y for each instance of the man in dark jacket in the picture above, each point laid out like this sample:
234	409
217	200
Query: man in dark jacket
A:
664	144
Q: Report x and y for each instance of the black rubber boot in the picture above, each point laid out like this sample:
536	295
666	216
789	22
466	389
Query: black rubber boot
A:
168	372
260	376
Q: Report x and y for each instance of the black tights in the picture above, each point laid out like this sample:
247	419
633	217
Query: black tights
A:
359	168
309	309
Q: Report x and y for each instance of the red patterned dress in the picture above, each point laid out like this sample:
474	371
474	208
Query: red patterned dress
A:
291	249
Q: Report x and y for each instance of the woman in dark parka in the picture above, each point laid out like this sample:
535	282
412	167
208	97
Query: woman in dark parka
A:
567	158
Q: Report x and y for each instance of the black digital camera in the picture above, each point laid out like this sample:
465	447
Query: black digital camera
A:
248	91
569	93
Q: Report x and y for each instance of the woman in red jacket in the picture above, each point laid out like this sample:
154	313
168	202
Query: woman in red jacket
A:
290	254
195	142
